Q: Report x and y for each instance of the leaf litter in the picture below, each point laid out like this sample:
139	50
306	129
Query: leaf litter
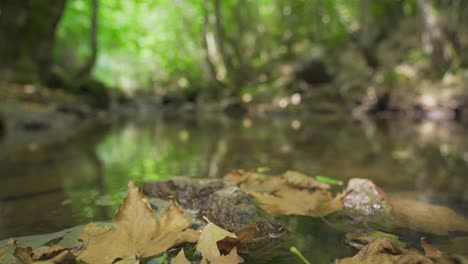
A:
136	235
292	193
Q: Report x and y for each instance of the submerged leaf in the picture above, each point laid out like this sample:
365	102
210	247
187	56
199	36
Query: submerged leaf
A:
136	233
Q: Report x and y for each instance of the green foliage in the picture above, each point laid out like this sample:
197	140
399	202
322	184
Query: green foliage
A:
160	45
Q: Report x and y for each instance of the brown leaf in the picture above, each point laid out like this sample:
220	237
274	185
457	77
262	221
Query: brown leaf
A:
129	260
247	234
289	201
180	258
136	233
207	243
428	218
385	251
231	258
23	255
290	193
299	180
430	251
251	181
48	252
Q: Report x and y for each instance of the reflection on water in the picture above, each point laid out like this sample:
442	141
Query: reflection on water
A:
83	180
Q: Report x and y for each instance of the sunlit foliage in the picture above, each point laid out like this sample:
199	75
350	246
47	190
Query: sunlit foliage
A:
159	45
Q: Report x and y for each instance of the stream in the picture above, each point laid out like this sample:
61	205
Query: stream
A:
48	189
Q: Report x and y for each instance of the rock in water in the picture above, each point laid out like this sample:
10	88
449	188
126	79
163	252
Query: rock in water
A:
223	203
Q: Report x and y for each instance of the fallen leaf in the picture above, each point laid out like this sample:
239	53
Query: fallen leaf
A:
129	260
180	258
299	180
208	245
429	250
428	218
23	255
384	250
247	234
290	193
53	253
289	201
251	181
136	233
231	258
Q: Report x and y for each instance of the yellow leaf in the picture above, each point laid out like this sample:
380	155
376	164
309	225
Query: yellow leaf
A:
136	233
23	255
207	244
129	260
289	201
385	251
231	258
428	218
290	193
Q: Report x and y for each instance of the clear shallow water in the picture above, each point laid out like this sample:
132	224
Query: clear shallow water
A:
50	189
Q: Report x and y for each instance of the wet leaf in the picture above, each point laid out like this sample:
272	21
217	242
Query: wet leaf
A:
136	233
290	193
299	180
289	201
359	239
129	260
428	218
23	255
429	250
54	253
210	236
385	251
231	258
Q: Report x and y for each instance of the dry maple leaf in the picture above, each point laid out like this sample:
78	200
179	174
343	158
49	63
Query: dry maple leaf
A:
290	193
23	255
136	233
207	245
299	180
428	218
384	250
430	251
251	181
231	258
290	201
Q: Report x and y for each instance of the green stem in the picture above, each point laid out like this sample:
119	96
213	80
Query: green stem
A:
295	251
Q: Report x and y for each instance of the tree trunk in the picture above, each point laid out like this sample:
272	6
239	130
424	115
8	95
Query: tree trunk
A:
88	67
220	37
435	41
27	33
242	70
366	41
211	65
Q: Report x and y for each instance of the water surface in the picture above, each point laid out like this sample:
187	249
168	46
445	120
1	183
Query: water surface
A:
48	189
